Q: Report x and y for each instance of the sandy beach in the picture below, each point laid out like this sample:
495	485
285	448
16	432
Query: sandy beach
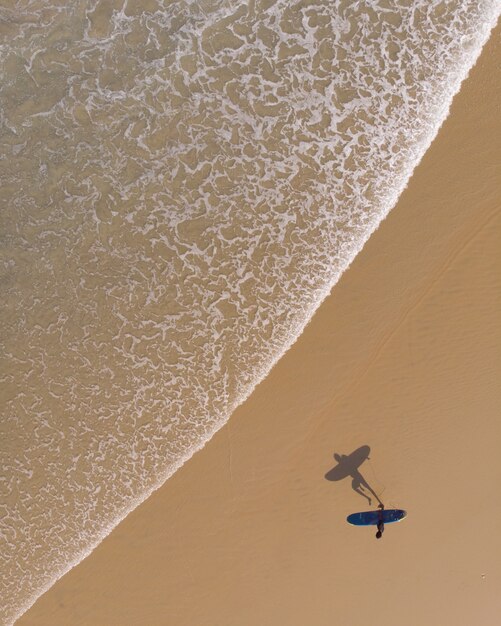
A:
405	357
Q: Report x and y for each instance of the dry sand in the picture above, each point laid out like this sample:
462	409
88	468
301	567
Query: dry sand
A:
405	356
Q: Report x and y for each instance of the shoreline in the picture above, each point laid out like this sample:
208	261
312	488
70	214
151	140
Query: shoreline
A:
399	357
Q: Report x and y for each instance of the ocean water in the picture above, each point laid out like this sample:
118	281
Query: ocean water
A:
182	184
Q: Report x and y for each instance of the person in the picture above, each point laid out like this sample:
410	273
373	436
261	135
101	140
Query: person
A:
380	523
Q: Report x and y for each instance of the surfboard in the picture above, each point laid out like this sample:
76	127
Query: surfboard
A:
371	518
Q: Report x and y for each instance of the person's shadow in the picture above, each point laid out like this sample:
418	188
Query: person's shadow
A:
348	466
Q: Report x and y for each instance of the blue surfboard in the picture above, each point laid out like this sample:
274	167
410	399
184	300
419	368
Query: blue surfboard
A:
371	518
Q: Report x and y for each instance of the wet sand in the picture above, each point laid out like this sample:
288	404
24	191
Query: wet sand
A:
404	357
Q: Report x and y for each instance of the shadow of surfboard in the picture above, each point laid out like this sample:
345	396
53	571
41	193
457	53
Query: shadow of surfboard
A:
347	466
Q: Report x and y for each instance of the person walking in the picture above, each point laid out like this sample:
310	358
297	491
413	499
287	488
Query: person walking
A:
380	523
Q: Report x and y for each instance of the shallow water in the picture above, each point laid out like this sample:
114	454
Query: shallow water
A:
183	183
